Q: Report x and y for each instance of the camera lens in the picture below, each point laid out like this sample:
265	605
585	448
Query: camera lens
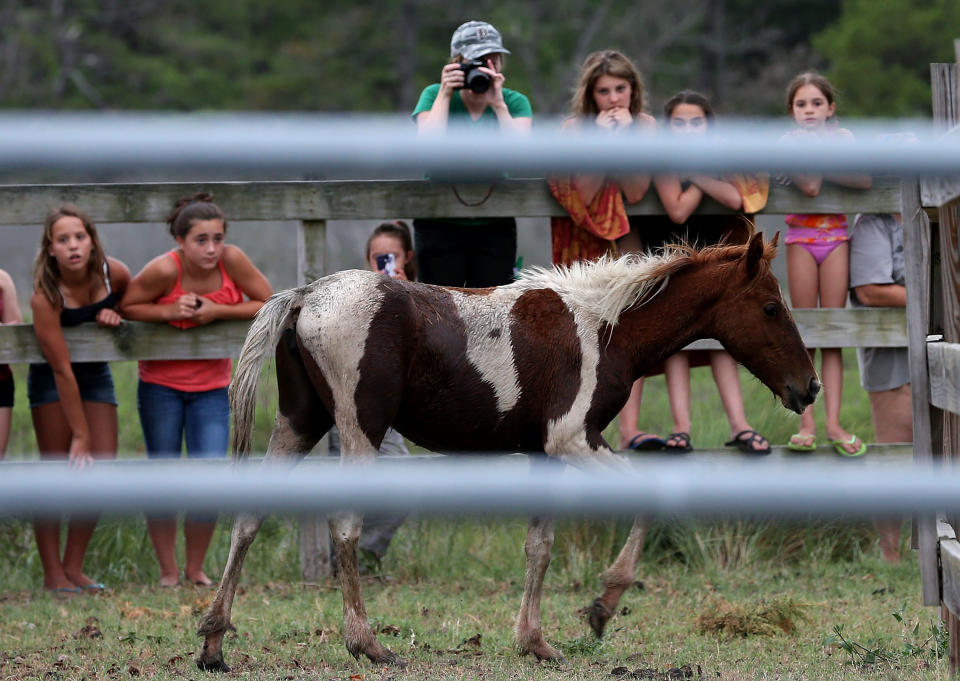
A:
478	81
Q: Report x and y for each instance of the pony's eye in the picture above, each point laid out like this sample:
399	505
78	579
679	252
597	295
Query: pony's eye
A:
770	309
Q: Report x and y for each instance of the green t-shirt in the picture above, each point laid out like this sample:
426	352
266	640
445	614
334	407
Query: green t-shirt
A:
517	104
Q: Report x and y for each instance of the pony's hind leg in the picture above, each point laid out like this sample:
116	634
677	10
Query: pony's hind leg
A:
301	421
528	631
358	636
345	532
618	577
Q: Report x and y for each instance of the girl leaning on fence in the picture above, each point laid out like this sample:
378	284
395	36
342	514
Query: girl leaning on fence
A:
608	99
818	252
201	280
9	314
73	405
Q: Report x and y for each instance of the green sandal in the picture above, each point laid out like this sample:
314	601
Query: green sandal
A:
842	451
796	443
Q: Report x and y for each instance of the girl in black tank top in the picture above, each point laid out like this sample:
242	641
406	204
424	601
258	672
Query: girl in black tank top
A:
72	404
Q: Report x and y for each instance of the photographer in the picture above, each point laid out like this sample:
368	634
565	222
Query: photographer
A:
471	252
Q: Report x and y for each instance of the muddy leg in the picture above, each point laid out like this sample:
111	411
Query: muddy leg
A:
528	631
357	634
618	577
285	445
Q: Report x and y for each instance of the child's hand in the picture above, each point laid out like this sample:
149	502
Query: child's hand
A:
206	312
185	306
79	454
615	118
108	318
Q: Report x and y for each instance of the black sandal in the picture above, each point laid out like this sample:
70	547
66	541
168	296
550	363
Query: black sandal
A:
746	444
684	445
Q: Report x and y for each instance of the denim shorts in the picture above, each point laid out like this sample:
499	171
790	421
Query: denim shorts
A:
170	416
93	378
6	391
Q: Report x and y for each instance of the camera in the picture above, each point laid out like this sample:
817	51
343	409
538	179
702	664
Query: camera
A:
473	77
387	263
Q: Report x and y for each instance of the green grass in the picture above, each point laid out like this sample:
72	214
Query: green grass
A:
447	579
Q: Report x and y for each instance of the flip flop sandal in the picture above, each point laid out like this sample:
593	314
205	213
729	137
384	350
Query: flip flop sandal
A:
842	451
796	440
646	442
684	445
745	441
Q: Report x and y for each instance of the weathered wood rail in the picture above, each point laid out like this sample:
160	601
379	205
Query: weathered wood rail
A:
313	203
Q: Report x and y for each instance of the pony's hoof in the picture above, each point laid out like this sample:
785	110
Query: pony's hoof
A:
387	658
547	653
598	615
213	663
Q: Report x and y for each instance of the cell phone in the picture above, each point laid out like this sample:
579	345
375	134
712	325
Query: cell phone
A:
387	263
196	303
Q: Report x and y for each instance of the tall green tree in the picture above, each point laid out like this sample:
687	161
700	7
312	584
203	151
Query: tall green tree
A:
880	52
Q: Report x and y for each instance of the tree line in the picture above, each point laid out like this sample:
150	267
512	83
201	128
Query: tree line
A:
376	56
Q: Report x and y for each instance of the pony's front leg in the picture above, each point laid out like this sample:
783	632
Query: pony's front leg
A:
618	577
528	631
357	634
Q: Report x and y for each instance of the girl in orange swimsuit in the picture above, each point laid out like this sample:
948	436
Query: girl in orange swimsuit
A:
818	253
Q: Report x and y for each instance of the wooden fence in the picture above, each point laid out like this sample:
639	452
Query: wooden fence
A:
313	203
931	219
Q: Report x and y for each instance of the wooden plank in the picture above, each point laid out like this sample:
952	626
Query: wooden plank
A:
311	250
950	560
129	341
939	191
865	327
916	251
943	361
379	199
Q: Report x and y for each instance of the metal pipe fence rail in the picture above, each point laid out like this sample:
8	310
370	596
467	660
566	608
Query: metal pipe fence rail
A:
509	485
303	143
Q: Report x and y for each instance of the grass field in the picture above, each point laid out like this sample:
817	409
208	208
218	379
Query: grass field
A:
721	599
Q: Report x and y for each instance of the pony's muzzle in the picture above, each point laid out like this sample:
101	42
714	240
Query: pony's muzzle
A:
798	400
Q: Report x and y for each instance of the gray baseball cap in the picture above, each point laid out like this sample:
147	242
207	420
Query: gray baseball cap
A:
475	39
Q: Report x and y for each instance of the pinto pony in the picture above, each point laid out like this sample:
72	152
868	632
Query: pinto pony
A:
541	365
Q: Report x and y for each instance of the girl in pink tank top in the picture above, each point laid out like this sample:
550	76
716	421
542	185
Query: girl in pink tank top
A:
200	281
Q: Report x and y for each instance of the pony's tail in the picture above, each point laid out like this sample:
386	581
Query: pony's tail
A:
261	340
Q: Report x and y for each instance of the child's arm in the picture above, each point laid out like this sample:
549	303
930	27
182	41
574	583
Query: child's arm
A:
586	185
720	191
250	280
119	280
635	187
155	280
46	326
11	309
882	295
677	201
855	180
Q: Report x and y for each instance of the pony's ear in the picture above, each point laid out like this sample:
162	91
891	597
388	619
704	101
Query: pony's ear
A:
776	239
754	253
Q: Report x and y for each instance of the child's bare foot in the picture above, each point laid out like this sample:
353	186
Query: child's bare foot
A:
168	581
198	578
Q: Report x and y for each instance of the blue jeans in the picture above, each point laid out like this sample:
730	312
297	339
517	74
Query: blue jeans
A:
168	416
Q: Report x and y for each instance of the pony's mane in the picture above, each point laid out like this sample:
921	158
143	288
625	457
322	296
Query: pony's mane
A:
609	286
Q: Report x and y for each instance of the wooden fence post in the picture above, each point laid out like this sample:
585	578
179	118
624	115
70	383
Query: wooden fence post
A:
946	114
314	530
